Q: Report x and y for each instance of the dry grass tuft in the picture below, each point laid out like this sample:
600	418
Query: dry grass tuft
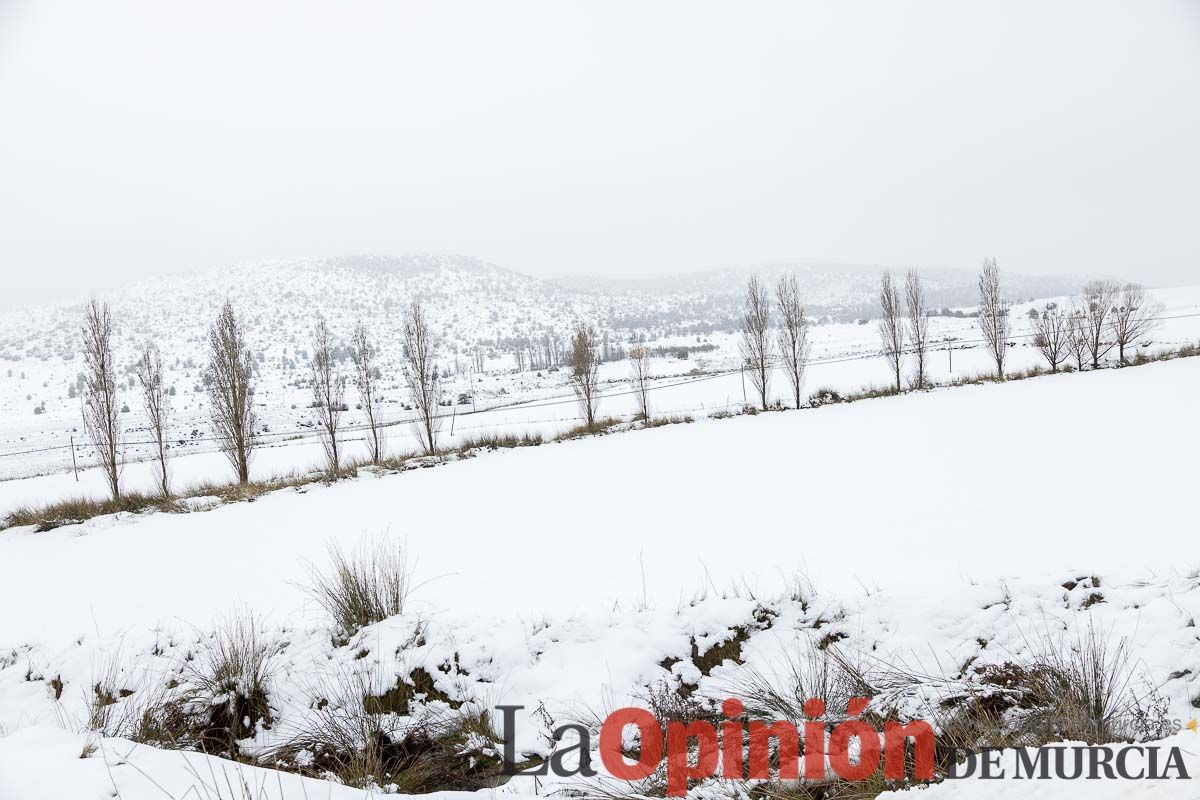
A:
69	512
230	682
73	511
363	588
811	671
600	425
494	441
678	419
366	744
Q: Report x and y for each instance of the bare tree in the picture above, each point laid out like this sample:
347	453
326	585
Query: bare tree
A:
328	386
756	339
1096	303
584	364
639	371
1077	337
231	390
993	315
918	324
365	372
891	326
420	370
1135	315
1052	335
793	336
156	399
101	412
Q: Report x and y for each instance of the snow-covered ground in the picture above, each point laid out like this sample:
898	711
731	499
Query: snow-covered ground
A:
1036	477
937	528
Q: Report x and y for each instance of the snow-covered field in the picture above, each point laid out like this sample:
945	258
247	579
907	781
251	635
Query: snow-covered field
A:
935	527
963	482
842	358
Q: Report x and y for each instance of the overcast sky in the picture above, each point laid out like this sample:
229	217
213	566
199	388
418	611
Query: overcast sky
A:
616	138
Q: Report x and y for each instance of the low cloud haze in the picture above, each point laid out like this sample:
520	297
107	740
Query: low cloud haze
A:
616	138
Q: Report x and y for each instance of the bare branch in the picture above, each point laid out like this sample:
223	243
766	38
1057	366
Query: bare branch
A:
891	326
756	340
1052	335
420	370
366	376
793	336
100	409
585	366
231	391
993	315
639	370
1135	315
328	386
1096	304
918	325
156	399
1077	336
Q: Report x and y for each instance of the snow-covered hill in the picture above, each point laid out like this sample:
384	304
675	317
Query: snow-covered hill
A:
473	302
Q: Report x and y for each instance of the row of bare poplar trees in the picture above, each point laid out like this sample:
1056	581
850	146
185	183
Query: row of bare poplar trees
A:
229	377
1105	315
758	347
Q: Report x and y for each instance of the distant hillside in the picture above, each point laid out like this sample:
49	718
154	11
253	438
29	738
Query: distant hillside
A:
475	303
840	291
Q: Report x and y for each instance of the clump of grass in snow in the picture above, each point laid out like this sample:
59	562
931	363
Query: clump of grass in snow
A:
230	683
499	440
236	492
677	419
1081	690
362	588
221	696
75	510
67	512
600	425
811	671
366	743
1088	685
107	687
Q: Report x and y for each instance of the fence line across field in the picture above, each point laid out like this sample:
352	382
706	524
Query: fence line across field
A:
270	440
545	402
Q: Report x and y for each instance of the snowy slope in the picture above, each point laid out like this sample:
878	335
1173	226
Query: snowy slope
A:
965	481
939	529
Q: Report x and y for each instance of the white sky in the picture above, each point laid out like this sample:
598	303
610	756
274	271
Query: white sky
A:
616	138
